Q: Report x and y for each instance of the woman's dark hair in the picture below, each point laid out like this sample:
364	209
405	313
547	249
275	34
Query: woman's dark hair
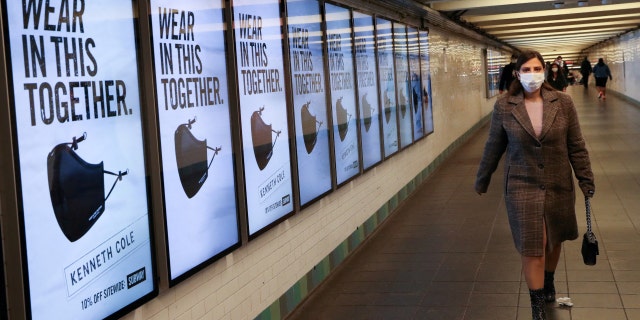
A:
516	87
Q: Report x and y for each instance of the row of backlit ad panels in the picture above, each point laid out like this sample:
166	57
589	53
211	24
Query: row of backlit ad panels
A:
319	96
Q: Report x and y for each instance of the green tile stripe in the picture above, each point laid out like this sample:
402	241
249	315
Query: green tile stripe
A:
301	289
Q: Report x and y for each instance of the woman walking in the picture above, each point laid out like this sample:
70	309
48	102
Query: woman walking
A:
538	129
601	72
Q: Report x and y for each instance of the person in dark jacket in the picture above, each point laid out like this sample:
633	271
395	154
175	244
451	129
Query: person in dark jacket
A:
507	75
585	70
601	72
537	129
556	79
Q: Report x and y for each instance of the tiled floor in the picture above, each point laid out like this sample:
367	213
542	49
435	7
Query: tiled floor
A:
448	253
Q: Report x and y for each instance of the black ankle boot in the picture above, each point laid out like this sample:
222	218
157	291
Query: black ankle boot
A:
538	304
549	288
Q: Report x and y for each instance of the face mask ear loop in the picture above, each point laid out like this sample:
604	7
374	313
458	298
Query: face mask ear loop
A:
119	176
215	150
75	141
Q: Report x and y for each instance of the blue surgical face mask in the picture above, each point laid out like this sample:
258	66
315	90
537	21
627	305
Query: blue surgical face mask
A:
532	81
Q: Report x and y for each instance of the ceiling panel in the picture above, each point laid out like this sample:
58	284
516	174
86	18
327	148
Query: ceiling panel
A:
551	27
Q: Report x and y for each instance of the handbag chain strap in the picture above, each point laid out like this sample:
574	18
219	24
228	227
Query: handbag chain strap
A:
587	204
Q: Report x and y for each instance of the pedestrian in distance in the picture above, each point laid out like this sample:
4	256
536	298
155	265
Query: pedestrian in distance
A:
537	129
556	79
563	66
601	72
507	75
585	71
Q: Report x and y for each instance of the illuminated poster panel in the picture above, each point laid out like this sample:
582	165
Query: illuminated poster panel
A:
426	82
402	84
304	22
263	111
368	102
494	61
76	102
195	132
387	87
415	89
341	76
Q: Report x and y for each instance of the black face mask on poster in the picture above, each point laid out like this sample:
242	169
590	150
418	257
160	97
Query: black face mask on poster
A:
402	101
343	119
387	106
262	137
366	112
191	158
77	189
310	127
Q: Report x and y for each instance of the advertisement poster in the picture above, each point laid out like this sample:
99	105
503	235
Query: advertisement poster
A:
82	173
415	82
368	102
387	87
263	111
426	82
195	132
402	84
304	25
341	76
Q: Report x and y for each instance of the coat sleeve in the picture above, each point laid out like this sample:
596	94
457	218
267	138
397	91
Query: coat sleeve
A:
494	148
578	154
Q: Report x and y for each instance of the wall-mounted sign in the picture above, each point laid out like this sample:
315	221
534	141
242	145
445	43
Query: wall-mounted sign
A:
387	86
83	181
367	76
195	132
426	82
304	25
263	111
401	58
415	89
343	86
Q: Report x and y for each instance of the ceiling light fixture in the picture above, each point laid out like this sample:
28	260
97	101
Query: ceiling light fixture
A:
583	3
558	4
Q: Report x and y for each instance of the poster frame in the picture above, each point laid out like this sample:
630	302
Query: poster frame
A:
426	110
299	205
422	111
330	94
372	17
25	299
396	46
245	223
386	156
230	102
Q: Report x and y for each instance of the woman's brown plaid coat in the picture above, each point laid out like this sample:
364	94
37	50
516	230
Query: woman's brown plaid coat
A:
538	176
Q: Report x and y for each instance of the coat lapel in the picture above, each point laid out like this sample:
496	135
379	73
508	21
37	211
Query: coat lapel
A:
519	112
549	111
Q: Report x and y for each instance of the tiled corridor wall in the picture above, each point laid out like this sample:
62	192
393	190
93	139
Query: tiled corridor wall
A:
269	275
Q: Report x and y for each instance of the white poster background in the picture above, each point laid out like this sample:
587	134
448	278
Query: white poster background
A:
106	29
384	39
367	89
304	23
402	84
416	89
258	37
342	79
205	225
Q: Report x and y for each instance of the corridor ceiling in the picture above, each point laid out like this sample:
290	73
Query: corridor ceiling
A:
552	27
